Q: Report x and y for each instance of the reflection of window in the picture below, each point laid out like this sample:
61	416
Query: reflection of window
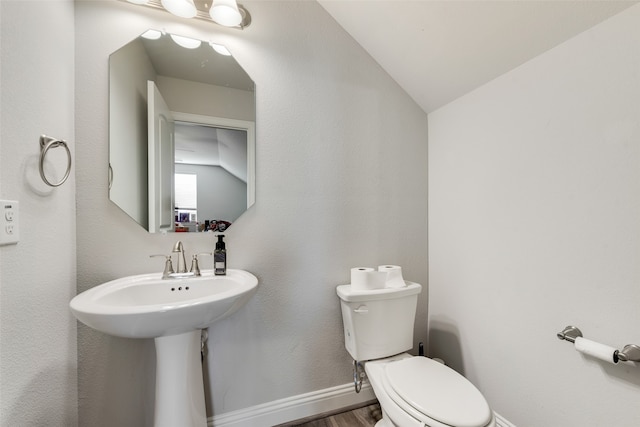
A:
186	191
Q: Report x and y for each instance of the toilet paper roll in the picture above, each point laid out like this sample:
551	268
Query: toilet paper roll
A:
366	278
596	350
394	276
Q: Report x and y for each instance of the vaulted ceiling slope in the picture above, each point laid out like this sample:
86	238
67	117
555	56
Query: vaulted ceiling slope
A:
439	50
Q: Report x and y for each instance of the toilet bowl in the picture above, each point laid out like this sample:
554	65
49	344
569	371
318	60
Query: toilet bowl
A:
418	391
412	390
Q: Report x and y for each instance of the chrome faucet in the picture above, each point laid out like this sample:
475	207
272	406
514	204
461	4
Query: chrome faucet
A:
182	263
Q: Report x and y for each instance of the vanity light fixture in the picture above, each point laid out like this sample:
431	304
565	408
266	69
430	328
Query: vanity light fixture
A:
225	12
222	12
181	8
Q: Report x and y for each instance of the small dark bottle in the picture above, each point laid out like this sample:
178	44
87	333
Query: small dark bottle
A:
220	257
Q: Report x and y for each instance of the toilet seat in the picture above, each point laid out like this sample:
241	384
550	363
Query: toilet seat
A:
435	394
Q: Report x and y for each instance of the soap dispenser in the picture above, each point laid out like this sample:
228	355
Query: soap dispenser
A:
220	257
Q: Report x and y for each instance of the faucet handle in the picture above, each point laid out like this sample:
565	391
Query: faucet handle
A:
195	267
168	265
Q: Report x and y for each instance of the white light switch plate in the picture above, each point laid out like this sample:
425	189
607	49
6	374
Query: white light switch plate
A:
9	222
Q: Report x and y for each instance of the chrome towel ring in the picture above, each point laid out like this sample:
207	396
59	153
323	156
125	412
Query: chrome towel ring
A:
47	142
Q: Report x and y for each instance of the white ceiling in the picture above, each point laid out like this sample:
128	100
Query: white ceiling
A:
439	50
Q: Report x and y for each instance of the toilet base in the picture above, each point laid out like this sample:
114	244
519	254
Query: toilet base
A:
384	422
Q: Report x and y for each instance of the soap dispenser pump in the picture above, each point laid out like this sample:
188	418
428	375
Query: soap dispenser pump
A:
220	257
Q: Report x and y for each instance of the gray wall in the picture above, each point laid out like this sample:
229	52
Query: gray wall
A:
534	207
226	200
38	372
341	182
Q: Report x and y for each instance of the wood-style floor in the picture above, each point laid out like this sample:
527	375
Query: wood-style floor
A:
366	416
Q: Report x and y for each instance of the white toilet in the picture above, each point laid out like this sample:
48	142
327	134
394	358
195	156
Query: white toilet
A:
412	391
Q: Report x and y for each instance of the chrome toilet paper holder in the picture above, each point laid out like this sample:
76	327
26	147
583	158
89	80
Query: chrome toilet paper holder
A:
630	352
570	333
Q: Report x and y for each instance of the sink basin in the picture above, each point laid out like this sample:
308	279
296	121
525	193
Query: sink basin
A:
172	312
146	306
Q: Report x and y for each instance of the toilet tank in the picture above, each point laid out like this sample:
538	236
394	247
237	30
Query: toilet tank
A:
378	323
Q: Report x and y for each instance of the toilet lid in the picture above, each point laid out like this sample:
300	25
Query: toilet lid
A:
438	392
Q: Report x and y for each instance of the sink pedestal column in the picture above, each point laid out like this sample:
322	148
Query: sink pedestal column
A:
179	384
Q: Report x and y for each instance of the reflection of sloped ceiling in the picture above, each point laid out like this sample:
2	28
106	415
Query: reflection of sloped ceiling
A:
439	50
207	145
203	64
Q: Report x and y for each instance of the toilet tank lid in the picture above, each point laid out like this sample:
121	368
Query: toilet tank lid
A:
349	295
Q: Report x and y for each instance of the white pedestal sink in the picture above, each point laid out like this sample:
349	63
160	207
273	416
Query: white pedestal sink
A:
172	311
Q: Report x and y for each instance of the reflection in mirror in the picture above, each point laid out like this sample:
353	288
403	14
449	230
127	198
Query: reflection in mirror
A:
181	134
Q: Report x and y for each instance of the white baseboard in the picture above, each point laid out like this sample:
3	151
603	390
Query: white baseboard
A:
295	407
302	406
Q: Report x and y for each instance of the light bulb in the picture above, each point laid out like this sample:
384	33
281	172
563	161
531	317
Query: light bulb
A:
220	49
186	42
152	34
225	12
182	8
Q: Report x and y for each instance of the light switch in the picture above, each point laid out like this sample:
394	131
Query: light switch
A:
9	222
